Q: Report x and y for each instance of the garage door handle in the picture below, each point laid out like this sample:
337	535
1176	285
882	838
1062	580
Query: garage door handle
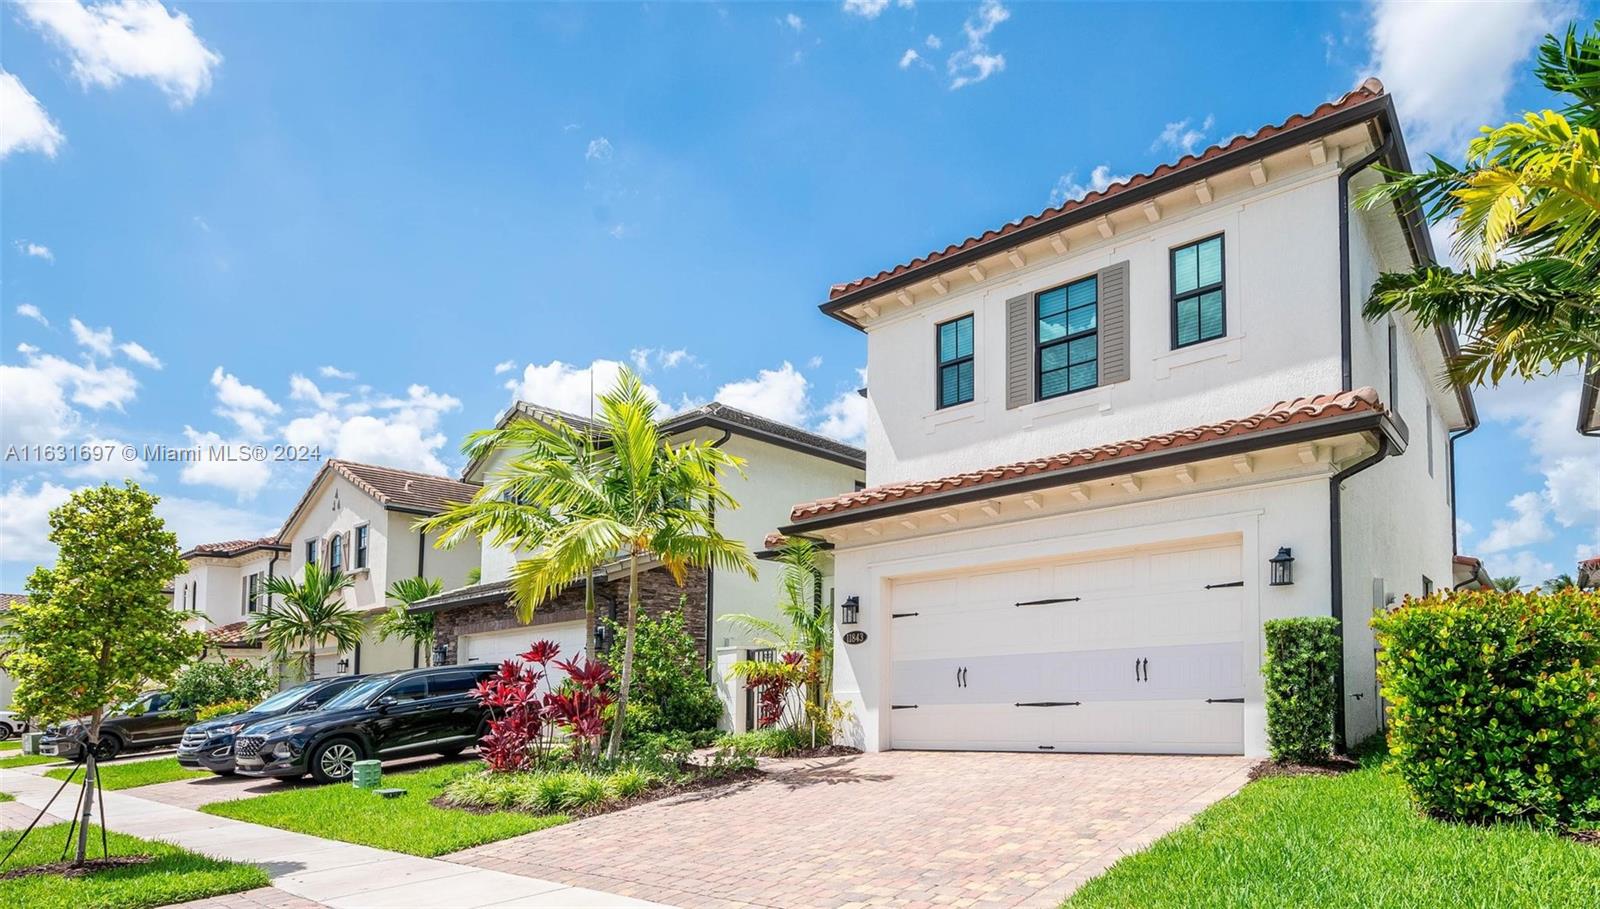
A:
1050	704
1224	700
1049	602
903	615
1147	669
902	706
1229	584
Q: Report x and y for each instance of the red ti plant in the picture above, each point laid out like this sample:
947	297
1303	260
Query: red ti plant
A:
523	719
773	683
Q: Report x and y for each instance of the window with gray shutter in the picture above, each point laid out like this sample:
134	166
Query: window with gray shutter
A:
1068	323
1114	324
1019	351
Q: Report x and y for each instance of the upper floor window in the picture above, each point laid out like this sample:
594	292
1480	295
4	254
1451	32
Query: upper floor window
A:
336	553
361	545
1198	313
252	592
311	552
955	361
1067	321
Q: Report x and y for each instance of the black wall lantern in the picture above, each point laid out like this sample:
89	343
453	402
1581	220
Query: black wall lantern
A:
599	636
850	611
440	654
1282	568
344	665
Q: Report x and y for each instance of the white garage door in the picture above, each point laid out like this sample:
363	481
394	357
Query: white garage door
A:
497	646
1141	651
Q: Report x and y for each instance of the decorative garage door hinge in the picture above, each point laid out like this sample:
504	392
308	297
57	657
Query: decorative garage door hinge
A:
1050	704
1049	602
1229	584
1224	700
902	706
903	615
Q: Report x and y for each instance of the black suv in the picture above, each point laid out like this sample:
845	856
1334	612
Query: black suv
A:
148	721
208	745
396	714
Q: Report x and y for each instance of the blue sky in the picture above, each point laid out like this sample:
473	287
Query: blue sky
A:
366	226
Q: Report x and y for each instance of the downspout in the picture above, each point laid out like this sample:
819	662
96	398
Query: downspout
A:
1336	566
1450	452
422	555
711	574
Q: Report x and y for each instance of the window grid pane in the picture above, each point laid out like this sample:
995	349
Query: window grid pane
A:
1066	320
1198	307
955	356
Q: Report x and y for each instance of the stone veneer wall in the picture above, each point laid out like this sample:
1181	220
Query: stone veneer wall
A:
658	594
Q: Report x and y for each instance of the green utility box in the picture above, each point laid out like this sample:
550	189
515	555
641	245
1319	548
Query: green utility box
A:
366	774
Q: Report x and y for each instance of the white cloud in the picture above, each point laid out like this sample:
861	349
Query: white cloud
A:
28	310
567	387
303	389
97	340
334	372
33	407
25	521
1463	530
198	521
113	469
235	395
794	22
778	394
1179	136
932	42
1528	526
24	124
241	476
866	9
1541	413
1521	564
394	431
1450	65
909	57
1068	189
137	353
35	250
599	150
504	367
845	417
646	359
128	39
974	62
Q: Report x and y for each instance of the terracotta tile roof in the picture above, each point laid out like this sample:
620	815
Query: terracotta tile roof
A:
233	634
1468	561
8	600
1367	91
227	549
391	487
1281	414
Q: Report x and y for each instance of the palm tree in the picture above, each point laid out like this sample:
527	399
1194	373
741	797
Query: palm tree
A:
1526	208
308	614
807	627
1559	583
1508	584
578	503
400	622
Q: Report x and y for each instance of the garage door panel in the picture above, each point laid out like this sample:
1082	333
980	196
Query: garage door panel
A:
967	727
498	646
972	632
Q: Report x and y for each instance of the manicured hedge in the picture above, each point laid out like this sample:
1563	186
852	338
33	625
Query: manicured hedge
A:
1495	704
1301	672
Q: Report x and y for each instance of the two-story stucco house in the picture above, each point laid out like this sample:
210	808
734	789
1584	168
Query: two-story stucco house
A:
1098	434
223	586
360	518
782	464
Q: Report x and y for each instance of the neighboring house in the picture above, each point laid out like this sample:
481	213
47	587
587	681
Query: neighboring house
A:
359	518
476	623
1589	399
1469	574
1080	479
223	586
7	684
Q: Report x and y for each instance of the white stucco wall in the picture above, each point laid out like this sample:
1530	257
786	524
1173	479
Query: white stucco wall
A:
1282	293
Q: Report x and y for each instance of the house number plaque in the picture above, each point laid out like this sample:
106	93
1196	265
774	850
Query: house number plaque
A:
854	637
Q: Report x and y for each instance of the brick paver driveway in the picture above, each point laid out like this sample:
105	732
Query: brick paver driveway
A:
900	828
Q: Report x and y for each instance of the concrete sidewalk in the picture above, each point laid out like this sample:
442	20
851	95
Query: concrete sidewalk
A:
335	874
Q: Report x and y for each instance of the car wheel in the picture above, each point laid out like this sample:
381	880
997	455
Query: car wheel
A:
334	761
6	731
108	747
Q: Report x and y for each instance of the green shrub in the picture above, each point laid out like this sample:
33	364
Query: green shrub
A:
670	691
1301	669
776	741
548	791
203	684
1495	704
212	711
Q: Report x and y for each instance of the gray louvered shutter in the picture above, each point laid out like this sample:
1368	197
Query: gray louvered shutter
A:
1113	281
1019	351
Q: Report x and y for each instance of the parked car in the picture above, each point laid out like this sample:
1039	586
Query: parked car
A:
12	723
208	745
151	720
395	714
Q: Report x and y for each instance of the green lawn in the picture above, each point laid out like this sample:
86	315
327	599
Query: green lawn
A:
1352	840
409	823
176	876
10	744
27	760
136	773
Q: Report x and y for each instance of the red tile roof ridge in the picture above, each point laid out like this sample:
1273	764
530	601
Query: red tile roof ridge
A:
1369	88
1295	410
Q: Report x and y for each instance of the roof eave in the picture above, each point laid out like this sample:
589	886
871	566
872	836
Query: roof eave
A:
1367	421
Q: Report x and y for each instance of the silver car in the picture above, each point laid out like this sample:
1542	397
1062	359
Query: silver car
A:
12	723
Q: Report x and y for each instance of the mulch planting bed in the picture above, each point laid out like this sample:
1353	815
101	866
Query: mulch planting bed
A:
1334	766
67	869
649	795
